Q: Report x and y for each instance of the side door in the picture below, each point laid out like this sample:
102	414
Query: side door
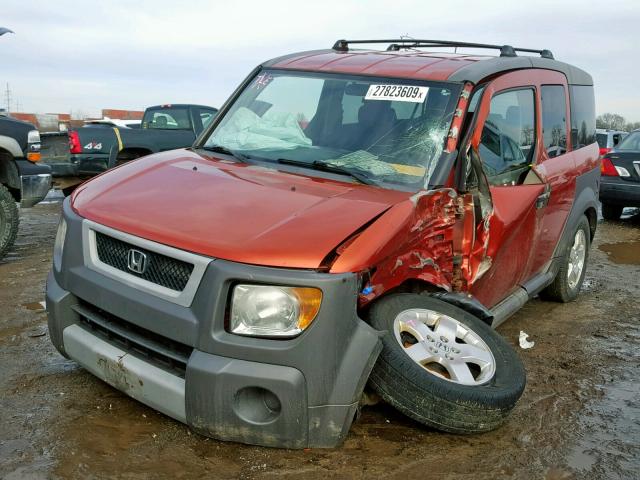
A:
505	140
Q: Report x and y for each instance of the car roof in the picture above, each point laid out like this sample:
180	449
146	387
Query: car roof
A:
419	65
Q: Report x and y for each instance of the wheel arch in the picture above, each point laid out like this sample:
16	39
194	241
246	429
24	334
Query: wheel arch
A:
130	153
464	301
9	175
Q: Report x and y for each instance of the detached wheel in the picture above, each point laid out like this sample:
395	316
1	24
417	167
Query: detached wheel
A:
611	212
573	267
442	366
8	220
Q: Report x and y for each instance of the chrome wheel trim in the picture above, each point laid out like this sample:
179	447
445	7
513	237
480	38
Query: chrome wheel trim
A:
444	347
576	260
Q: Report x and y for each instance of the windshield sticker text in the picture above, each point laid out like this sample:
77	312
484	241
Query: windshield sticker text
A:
398	93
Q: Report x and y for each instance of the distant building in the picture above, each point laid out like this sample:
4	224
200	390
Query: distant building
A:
122	114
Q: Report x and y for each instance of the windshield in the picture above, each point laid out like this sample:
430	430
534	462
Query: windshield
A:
630	142
389	132
167	119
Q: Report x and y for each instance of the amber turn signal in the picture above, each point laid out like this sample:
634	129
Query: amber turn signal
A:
309	300
34	156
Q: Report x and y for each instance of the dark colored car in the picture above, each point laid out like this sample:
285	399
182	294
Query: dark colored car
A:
340	223
96	148
621	177
22	178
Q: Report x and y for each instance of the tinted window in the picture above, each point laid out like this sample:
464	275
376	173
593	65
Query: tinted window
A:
583	115
617	137
601	138
508	136
206	116
554	121
167	119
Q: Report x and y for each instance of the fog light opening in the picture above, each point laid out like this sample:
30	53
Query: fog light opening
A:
257	405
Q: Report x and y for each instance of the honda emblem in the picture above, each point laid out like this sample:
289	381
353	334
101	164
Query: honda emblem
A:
136	261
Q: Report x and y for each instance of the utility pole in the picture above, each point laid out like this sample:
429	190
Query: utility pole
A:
8	98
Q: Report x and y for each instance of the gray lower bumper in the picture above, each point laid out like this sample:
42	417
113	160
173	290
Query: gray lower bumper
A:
138	379
33	188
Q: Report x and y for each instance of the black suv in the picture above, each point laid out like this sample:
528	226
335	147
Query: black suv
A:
22	178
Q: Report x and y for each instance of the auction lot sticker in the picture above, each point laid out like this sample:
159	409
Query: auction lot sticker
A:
398	93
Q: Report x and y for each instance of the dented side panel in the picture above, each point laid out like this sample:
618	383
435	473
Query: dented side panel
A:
418	238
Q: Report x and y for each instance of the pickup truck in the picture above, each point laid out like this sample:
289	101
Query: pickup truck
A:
23	178
94	149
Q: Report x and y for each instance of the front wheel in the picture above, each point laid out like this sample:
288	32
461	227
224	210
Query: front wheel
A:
442	366
8	220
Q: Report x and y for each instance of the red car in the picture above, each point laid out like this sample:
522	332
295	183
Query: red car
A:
350	218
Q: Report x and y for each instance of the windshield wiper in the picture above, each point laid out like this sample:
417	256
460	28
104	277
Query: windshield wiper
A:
327	167
226	151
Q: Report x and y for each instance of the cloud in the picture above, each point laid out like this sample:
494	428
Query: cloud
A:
89	55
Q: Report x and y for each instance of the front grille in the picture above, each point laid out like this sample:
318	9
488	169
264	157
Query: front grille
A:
160	269
151	347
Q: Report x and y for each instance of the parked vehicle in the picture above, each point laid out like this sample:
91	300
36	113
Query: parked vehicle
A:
97	146
164	127
608	139
352	233
621	177
22	178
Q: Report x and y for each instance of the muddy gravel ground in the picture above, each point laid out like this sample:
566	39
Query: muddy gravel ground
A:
579	417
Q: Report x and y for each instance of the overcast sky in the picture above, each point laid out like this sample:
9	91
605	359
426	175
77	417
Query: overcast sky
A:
82	56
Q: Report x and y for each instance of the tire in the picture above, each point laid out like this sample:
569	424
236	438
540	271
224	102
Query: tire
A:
8	220
611	212
562	289
430	398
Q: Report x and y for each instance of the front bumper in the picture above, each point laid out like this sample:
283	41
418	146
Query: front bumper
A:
33	188
620	192
295	393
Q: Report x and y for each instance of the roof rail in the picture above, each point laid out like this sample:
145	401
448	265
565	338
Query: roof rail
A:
398	44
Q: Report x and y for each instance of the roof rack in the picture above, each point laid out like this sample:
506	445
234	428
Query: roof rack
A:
398	44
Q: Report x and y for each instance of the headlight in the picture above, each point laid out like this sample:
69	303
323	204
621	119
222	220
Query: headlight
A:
58	246
273	311
33	136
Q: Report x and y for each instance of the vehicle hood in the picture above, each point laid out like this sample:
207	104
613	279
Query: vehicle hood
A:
234	211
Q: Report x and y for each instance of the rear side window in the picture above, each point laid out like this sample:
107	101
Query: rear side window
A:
554	121
583	115
207	116
167	119
508	136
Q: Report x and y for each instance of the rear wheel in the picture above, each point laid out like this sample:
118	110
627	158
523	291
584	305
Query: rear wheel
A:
442	366
8	220
611	212
568	281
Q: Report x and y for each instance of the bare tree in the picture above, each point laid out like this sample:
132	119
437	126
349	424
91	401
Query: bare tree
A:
611	121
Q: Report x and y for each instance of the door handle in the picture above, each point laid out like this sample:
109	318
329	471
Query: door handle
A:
543	199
